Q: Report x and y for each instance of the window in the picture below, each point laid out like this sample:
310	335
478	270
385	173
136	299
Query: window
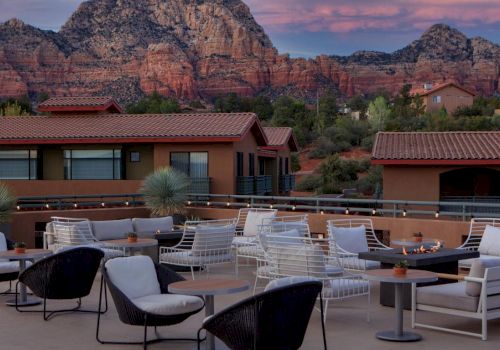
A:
286	166
280	160
239	163
193	164
436	99
251	164
262	166
18	164
103	164
135	157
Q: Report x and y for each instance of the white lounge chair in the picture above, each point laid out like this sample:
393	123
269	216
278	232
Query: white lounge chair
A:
484	236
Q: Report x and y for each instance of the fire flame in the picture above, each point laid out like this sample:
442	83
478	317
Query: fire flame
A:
422	250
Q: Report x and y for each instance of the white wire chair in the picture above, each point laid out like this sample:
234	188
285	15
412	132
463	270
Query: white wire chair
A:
248	222
203	244
308	257
71	232
473	240
254	251
339	239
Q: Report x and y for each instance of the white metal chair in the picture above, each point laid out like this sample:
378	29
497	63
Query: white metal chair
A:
348	238
203	244
475	296
474	239
72	232
254	251
248	222
291	256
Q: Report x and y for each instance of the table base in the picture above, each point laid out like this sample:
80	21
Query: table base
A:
403	337
28	302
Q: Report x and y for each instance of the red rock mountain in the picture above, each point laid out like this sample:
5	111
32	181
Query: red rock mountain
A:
202	48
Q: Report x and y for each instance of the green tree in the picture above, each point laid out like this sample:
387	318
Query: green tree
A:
154	104
327	111
337	173
358	103
379	111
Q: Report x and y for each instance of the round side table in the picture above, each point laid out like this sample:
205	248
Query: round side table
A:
31	254
388	276
209	288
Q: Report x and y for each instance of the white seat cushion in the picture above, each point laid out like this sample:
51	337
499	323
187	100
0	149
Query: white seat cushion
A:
351	239
450	295
147	227
168	304
251	251
112	229
467	263
353	263
332	270
254	220
135	276
344	287
490	242
477	270
11	266
186	258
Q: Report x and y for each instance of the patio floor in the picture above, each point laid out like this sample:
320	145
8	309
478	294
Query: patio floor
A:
346	326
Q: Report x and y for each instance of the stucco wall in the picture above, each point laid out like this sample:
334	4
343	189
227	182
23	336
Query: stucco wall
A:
451	99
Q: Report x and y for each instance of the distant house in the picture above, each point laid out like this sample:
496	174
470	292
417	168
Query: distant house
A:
227	153
79	105
447	95
432	166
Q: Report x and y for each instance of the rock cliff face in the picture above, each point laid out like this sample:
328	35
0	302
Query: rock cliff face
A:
203	48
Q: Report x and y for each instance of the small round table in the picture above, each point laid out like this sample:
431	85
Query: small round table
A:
388	276
31	254
126	245
209	288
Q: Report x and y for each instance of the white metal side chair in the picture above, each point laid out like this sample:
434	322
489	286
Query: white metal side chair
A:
290	256
203	244
484	236
348	238
72	232
475	296
255	251
247	224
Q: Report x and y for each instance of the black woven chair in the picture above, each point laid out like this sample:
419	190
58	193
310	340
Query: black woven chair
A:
130	314
63	276
276	319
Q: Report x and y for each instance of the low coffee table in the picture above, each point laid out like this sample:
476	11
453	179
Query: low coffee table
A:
31	254
412	276
209	288
443	261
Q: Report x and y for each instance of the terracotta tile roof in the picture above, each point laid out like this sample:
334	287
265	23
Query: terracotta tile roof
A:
280	136
436	146
223	127
436	87
81	103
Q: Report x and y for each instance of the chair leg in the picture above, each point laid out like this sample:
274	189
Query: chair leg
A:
145	343
322	321
325	312
255	284
368	307
484	326
192	272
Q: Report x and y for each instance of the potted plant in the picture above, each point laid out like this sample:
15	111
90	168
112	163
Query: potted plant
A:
132	237
165	192
400	268
418	236
20	247
7	203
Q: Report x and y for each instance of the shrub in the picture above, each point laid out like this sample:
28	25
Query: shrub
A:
7	203
309	183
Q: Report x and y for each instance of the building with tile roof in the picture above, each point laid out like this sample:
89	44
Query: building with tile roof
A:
227	153
448	95
80	105
432	166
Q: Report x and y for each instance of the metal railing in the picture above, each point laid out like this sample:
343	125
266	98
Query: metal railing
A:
474	199
286	183
388	208
263	184
199	185
245	185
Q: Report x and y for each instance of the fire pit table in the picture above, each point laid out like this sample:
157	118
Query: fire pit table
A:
444	260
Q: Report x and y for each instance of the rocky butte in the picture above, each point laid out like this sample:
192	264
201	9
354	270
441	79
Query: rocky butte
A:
197	49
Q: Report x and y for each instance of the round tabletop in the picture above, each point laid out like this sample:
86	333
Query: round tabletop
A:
124	243
209	287
30	254
412	276
413	243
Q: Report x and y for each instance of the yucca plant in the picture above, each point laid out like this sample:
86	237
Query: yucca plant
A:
165	191
7	202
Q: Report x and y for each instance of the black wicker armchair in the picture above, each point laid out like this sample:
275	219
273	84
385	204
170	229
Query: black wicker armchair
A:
276	319
63	276
128	305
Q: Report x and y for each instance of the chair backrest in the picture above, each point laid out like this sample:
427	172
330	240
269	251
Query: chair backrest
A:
371	240
296	256
476	230
276	319
72	231
208	237
249	219
3	242
66	275
283	227
147	227
134	276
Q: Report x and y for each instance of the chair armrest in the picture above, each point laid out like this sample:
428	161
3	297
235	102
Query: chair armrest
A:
48	238
449	276
164	250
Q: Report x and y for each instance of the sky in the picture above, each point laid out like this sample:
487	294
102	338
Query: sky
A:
307	28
